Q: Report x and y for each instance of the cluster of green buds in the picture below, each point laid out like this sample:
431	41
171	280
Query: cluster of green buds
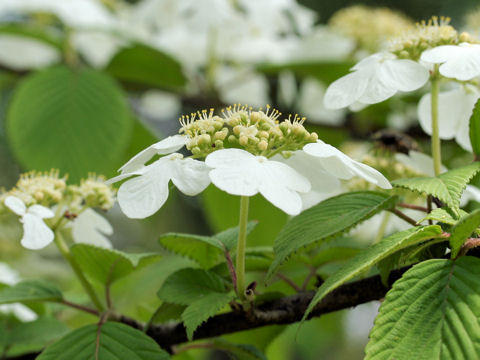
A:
256	131
49	189
435	32
205	131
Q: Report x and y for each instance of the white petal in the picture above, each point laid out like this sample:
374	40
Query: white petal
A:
371	175
346	90
403	75
166	146
229	157
144	195
16	205
450	104
285	199
90	228
190	176
287	176
41	211
376	91
462	137
22	312
440	54
8	276
36	234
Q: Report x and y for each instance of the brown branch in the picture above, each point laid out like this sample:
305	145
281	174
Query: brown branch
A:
404	217
413	207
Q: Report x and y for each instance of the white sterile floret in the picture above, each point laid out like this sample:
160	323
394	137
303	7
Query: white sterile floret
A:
165	146
461	62
454	110
146	193
375	79
36	234
90	228
238	172
336	163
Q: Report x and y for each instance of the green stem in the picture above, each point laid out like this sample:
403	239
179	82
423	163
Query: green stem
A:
65	251
241	245
436	150
383	227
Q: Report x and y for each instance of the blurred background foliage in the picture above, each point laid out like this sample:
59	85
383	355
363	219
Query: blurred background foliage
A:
85	85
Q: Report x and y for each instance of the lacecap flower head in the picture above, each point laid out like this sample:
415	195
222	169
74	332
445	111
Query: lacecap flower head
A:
243	152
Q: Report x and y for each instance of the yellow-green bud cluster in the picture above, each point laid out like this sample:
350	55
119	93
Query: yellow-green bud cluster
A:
435	32
260	132
205	131
92	192
45	188
370	27
390	167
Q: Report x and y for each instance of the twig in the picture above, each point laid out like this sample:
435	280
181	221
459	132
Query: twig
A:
413	207
289	282
80	307
311	274
404	217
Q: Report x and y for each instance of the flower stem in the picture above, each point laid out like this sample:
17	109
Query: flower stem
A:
241	245
65	251
436	150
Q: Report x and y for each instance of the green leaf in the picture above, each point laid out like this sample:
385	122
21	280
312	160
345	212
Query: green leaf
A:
55	39
326	220
474	127
30	290
207	251
143	65
75	120
167	312
117	342
109	265
187	285
431	313
202	309
444	216
34	335
463	230
447	187
326	72
373	255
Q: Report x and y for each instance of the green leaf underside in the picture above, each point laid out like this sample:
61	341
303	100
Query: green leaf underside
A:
202	309
188	285
463	230
143	65
373	255
474	129
30	290
447	187
326	220
207	251
168	311
117	342
105	265
431	313
32	336
75	120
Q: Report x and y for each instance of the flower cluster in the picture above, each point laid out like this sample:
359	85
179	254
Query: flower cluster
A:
356	22
45	203
281	160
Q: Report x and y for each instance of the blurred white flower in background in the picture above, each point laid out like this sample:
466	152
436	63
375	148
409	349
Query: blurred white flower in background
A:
21	53
454	110
159	105
10	277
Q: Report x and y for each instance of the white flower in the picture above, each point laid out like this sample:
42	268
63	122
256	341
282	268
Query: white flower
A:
454	110
90	228
146	193
336	163
238	172
36	234
10	277
461	62
20	53
375	79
